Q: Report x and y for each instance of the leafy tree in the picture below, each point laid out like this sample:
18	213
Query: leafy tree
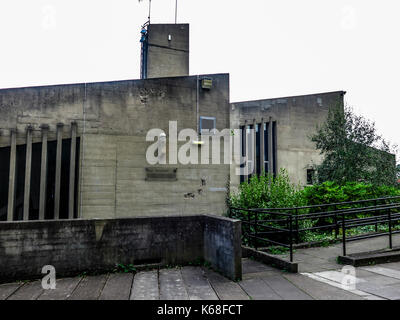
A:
352	150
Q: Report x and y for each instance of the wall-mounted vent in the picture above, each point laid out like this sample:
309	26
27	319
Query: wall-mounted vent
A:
206	83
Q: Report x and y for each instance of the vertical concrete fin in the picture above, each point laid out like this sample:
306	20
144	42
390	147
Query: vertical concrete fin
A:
270	146
58	172
262	146
72	172
43	173
28	167
255	147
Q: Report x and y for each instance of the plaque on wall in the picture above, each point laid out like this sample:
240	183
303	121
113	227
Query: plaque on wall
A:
161	174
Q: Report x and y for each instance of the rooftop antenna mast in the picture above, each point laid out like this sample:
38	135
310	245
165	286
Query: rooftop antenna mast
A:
148	21
149	10
176	10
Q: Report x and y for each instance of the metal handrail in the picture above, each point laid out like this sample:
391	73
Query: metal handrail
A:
341	220
335	203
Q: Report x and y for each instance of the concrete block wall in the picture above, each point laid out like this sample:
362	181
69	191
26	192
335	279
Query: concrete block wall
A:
168	58
74	246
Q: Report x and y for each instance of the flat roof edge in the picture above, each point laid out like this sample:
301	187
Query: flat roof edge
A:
109	82
287	97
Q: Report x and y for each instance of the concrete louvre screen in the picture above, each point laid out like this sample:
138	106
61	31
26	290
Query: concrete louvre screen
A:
74	246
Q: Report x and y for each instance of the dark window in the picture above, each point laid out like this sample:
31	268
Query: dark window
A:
4	175
274	140
207	123
310	176
35	180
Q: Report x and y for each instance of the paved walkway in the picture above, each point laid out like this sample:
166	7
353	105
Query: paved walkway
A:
319	278
260	282
324	258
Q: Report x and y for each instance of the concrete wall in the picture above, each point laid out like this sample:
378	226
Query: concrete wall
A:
113	119
222	245
296	118
168	58
74	246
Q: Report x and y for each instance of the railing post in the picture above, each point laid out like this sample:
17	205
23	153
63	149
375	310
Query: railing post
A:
376	219
344	234
336	222
297	226
255	230
291	237
249	224
390	229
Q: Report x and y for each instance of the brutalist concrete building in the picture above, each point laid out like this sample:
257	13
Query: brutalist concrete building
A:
79	150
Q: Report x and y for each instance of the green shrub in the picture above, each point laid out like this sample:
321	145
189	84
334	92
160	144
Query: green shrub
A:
278	192
332	192
267	191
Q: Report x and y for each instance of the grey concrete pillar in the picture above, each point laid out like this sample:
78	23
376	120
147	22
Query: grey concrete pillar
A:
12	175
43	173
270	148
254	147
262	145
72	172
246	150
28	167
58	171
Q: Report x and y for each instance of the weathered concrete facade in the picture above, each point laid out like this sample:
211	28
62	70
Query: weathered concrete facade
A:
112	120
294	119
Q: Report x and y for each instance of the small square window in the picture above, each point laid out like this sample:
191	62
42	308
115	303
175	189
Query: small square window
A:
207	125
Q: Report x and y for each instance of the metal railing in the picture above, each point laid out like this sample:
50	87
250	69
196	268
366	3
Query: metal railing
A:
283	226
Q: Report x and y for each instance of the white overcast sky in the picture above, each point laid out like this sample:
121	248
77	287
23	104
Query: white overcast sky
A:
270	48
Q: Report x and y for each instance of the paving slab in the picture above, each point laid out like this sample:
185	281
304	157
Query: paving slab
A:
7	289
145	286
197	285
393	265
89	288
117	287
286	289
63	290
375	278
336	276
360	293
259	290
29	291
260	274
171	285
387	292
310	267
384	271
252	266
319	290
224	288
